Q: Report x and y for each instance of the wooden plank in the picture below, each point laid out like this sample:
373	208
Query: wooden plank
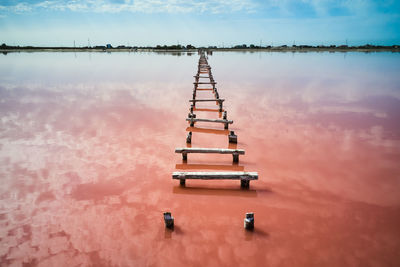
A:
207	100
204	83
209	120
208	131
206	109
216	175
192	166
186	150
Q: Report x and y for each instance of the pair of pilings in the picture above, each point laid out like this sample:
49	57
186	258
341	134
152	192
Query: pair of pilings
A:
232	137
248	220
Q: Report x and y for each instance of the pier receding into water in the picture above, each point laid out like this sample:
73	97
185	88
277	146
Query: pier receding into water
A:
205	69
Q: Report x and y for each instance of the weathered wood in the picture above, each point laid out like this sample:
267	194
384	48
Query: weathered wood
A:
225	122
209	120
235	152
207	100
247	176
204	83
244	177
244	184
209	150
232	137
249	221
168	220
189	138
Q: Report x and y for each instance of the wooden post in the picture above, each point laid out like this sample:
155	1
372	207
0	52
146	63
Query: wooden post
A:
182	182
191	108
235	157
168	220
225	115
226	126
184	156
220	107
245	184
249	221
232	137
189	138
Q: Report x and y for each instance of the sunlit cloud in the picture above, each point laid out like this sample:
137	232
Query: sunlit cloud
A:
200	22
142	6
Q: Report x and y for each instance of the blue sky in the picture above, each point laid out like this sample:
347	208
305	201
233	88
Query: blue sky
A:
200	23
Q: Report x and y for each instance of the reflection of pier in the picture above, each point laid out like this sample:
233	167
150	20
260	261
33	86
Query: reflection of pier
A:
233	171
208	110
207	130
228	192
186	166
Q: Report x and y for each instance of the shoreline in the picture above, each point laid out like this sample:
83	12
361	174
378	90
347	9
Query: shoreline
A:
251	50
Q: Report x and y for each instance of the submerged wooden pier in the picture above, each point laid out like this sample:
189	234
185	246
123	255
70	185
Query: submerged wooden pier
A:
204	72
244	177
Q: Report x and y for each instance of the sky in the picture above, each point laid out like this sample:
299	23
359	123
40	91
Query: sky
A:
222	23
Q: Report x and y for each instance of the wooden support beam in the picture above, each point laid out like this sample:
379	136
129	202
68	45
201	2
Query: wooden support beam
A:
204	83
209	150
208	120
235	152
216	175
244	177
207	100
225	122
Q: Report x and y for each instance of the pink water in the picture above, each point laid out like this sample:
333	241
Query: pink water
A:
87	151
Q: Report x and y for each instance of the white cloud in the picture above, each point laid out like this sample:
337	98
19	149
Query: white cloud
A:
142	6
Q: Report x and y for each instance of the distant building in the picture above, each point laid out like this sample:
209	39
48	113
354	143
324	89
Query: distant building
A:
108	45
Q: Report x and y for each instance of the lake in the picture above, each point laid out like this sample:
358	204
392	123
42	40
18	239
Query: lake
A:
87	153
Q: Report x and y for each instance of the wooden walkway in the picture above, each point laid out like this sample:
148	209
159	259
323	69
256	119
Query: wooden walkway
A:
204	72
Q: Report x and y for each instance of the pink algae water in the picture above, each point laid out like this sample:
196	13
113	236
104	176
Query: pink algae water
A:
87	151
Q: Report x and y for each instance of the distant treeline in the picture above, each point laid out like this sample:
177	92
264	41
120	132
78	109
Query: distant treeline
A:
191	47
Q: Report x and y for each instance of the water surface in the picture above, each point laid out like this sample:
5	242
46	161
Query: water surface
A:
87	150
